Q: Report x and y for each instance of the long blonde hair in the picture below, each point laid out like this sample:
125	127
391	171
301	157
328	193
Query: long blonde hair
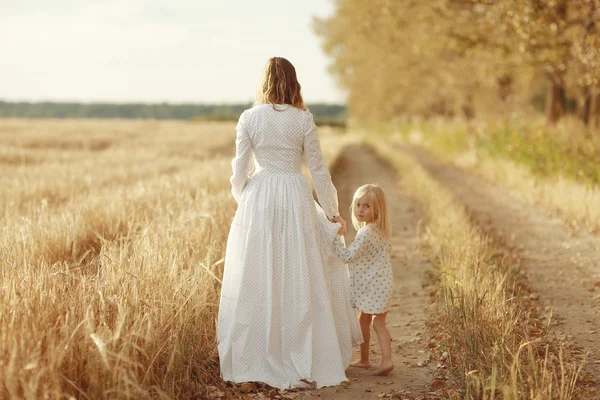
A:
280	85
376	198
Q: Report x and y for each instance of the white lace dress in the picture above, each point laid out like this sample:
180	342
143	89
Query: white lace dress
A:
285	313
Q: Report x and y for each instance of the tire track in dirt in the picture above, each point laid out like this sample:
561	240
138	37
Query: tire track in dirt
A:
407	319
562	267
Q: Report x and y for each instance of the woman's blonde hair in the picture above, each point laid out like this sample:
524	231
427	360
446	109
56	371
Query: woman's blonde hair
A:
376	198
280	85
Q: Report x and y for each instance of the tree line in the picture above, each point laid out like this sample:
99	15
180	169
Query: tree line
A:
466	57
327	113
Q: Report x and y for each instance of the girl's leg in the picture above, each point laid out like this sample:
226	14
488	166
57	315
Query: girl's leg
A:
365	327
385	341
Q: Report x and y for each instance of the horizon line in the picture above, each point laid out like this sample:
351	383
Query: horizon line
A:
125	102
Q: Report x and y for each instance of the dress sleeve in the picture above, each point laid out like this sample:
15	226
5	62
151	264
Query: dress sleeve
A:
243	163
326	192
358	246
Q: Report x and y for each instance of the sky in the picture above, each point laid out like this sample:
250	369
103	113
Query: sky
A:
178	51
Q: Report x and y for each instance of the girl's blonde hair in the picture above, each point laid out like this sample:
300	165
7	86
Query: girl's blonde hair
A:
376	198
280	85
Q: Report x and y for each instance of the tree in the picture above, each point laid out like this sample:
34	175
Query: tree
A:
461	56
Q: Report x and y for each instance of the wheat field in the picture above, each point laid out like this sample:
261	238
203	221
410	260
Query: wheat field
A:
111	250
112	235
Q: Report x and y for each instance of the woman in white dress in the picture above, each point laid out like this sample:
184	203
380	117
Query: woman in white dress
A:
285	317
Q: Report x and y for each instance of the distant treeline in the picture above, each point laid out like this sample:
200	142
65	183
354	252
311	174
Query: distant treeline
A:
329	114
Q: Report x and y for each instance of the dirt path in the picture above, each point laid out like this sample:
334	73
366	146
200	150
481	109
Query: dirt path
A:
407	319
561	266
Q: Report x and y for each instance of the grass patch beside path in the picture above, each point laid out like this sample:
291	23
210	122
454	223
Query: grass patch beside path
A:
547	167
565	150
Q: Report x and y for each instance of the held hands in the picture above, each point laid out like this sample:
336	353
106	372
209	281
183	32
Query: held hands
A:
341	221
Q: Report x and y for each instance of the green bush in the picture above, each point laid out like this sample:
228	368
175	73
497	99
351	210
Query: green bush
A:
566	150
546	153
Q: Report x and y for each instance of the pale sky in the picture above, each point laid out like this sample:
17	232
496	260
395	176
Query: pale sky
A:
201	51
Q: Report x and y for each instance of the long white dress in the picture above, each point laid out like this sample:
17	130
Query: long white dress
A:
285	313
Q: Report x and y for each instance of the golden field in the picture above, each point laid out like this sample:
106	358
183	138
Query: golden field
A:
111	238
111	251
113	234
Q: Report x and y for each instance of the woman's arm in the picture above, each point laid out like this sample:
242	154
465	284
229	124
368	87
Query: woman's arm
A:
326	192
243	163
358	246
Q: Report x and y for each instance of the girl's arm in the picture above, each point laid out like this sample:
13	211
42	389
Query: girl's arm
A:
358	246
242	164
326	192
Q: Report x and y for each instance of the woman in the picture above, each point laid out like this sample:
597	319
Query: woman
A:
285	317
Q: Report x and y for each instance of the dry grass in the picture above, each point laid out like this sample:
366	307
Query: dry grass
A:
496	347
111	251
576	202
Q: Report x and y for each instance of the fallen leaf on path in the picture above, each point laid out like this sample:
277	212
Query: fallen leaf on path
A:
438	384
535	331
385	382
587	379
215	393
247	387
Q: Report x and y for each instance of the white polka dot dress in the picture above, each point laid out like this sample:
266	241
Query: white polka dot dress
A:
282	319
368	259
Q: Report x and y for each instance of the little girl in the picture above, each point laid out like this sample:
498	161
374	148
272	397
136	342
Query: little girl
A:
368	259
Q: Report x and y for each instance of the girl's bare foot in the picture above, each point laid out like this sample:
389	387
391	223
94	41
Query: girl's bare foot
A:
361	364
383	370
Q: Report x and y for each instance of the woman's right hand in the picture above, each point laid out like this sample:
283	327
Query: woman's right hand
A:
341	221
